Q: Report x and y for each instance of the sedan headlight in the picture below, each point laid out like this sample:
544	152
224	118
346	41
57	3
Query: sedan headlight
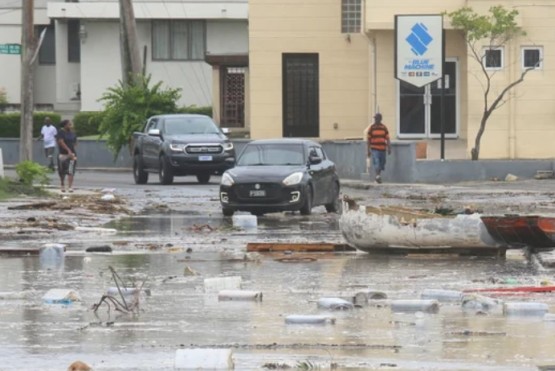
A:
227	180
293	179
176	147
228	146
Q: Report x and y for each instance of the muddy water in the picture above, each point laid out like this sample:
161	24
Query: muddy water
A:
179	314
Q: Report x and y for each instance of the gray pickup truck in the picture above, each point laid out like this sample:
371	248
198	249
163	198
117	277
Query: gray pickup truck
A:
181	144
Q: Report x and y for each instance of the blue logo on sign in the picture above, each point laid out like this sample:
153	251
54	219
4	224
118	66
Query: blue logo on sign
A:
419	39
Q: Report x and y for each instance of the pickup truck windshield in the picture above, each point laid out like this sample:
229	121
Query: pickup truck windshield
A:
190	125
272	155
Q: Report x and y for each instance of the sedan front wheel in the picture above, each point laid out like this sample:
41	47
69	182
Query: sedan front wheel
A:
306	209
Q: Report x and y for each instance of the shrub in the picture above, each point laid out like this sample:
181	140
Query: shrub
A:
30	172
3	99
127	107
197	110
87	123
10	123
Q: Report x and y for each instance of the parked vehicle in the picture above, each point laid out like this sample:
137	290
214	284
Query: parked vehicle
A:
181	144
279	175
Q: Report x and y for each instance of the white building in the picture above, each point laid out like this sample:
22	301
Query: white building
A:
80	55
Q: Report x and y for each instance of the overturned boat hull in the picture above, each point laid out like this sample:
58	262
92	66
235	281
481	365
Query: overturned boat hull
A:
374	229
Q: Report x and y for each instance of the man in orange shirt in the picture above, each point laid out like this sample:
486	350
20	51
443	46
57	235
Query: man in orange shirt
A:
378	143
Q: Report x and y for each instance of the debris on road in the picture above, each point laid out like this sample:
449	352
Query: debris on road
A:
306	319
61	296
284	246
239	295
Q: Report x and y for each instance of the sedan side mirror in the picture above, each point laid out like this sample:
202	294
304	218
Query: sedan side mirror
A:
225	131
314	160
154	132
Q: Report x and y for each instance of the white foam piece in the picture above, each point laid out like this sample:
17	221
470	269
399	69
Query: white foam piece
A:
204	359
217	284
239	295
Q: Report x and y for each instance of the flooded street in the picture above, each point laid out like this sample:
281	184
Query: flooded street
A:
175	249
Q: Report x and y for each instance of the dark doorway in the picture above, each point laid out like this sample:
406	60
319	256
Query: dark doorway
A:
301	106
233	97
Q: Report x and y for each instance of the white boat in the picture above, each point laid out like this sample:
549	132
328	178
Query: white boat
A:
370	228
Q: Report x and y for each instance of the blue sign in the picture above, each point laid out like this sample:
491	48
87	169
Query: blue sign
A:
418	48
419	39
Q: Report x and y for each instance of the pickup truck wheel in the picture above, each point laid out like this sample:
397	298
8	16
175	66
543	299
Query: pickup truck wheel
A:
306	209
139	173
166	172
227	211
203	178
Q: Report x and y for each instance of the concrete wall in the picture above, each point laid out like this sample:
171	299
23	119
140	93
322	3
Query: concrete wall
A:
349	157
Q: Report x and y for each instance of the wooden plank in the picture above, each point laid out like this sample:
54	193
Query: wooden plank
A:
18	251
313	247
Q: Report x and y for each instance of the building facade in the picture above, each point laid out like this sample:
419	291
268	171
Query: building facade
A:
80	55
322	68
299	68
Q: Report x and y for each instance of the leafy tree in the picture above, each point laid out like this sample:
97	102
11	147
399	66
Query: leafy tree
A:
128	106
484	33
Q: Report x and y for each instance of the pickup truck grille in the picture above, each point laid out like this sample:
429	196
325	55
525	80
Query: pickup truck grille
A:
204	148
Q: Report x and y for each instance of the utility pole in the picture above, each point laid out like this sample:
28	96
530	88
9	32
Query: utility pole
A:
130	53
28	48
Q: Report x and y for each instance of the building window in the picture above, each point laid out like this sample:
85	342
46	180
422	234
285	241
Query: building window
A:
493	58
47	52
178	40
351	15
532	57
73	41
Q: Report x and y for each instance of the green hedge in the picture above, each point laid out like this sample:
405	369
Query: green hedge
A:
198	110
10	123
87	123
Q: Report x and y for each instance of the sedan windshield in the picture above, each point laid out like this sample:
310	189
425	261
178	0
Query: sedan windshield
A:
190	125
272	155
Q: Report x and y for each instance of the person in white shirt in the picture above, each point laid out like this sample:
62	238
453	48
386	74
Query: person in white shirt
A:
48	134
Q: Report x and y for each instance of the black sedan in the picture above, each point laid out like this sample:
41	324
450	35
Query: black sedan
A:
279	175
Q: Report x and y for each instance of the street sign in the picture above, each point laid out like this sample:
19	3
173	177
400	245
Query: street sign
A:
418	48
10	48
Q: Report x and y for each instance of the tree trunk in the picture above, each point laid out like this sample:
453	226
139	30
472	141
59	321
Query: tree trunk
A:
475	152
27	103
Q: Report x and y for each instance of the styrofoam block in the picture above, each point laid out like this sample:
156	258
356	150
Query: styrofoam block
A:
239	295
245	221
217	284
308	319
126	291
426	306
204	359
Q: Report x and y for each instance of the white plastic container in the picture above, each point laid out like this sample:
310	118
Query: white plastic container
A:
442	295
245	221
479	303
204	359
60	296
51	255
334	304
426	306
217	284
525	309
126	291
239	295
306	319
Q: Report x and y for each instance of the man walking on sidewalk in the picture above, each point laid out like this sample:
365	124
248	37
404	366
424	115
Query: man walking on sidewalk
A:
378	143
48	134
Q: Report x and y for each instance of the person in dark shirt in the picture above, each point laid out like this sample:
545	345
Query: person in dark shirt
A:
67	159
